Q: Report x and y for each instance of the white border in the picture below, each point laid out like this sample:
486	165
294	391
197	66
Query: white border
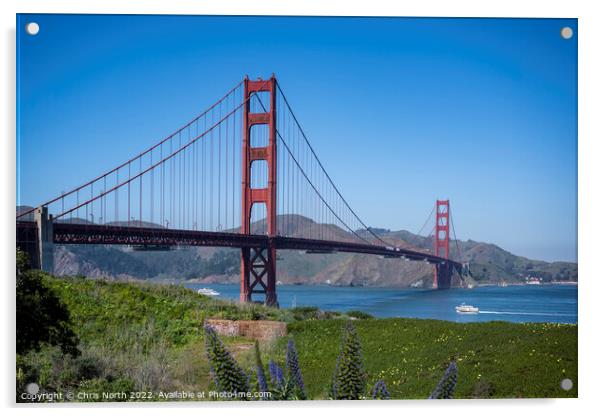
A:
590	68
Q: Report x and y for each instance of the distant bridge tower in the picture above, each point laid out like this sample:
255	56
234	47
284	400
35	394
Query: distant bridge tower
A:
258	264
443	271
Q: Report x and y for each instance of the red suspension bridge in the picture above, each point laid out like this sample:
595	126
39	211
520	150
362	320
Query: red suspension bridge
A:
241	174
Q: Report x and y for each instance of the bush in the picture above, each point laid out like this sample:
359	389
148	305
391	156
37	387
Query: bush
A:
95	388
304	313
227	375
359	315
349	381
41	316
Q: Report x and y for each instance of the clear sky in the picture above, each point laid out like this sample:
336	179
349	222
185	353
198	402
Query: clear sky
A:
401	111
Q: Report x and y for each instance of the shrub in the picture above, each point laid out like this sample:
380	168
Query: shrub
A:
483	389
304	313
41	316
359	315
349	381
447	384
87	368
226	373
98	387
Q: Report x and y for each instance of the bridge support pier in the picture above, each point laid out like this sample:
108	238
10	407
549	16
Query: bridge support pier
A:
443	276
258	268
45	239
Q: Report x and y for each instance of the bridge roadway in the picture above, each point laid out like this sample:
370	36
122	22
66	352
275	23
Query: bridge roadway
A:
67	233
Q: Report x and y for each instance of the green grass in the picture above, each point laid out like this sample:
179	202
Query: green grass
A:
176	313
495	359
134	335
149	337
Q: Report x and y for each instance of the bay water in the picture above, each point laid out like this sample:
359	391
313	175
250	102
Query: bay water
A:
528	303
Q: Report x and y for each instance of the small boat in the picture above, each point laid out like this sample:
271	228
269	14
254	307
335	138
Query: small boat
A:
207	291
464	308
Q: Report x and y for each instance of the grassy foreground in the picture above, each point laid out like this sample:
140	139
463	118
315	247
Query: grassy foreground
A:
142	337
495	359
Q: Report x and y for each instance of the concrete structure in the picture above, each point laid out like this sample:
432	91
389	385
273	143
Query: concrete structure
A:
260	330
45	239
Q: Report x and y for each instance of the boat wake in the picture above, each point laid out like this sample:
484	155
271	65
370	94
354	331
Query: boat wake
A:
528	313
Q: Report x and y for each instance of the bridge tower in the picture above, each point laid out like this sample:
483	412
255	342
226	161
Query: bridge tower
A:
443	271
45	238
258	264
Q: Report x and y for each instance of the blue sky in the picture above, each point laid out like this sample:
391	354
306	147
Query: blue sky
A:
400	110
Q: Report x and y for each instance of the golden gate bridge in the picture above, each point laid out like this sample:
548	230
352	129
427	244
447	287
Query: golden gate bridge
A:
241	174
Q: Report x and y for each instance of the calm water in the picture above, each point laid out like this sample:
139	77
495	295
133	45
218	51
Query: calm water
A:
546	303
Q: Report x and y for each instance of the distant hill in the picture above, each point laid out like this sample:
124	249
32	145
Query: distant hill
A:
22	209
488	262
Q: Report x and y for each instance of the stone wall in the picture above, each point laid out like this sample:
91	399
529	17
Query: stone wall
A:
260	330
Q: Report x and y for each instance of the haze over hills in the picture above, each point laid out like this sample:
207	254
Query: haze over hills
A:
488	262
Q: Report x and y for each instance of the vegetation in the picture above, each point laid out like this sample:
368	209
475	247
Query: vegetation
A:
227	375
380	392
262	384
494	359
132	337
447	384
349	381
143	337
293	372
41	316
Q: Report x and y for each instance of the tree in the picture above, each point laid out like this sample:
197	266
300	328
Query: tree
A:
227	374
349	380
41	316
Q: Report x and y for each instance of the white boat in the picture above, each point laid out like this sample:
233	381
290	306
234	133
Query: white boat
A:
464	308
207	291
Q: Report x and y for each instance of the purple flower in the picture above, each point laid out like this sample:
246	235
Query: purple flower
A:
293	370
262	384
380	392
447	384
226	374
276	375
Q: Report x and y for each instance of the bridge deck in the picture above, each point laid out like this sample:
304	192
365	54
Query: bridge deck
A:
66	233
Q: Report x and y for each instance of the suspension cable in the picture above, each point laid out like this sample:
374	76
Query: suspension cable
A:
427	220
139	156
451	220
325	172
172	155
